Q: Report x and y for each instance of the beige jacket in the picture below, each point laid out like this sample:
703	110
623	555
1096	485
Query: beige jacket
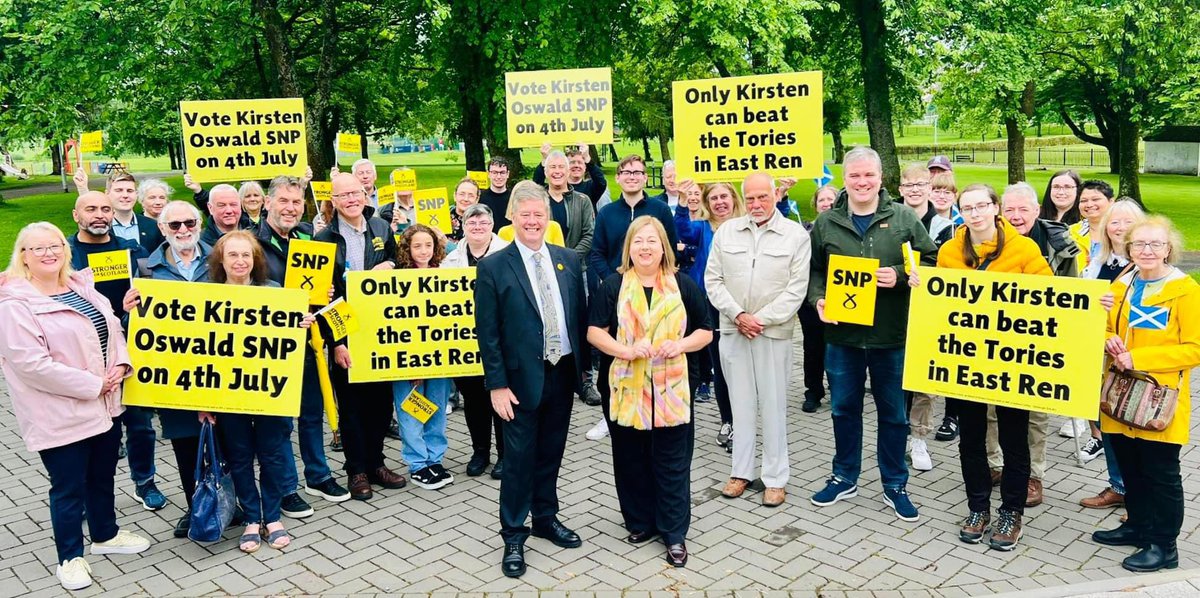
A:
763	273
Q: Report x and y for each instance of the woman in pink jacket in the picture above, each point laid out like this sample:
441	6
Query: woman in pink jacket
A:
63	356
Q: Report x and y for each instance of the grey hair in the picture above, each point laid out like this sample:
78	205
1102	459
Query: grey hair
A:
148	184
162	216
247	186
668	164
477	210
1022	189
281	182
754	174
861	153
360	162
527	191
223	188
555	155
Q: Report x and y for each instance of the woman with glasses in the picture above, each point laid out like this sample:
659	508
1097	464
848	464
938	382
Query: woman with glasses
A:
1155	328
64	359
988	242
1062	198
466	194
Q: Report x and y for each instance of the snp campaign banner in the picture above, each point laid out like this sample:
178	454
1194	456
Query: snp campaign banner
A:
1017	340
238	140
560	107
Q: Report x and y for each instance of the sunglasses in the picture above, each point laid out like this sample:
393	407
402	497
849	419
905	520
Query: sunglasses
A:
184	223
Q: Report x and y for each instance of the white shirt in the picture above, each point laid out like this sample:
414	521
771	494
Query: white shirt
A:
672	201
548	267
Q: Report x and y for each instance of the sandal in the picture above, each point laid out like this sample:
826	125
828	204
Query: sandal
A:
254	541
278	539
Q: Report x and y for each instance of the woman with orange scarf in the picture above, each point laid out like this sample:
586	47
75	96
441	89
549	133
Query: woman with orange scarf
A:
650	323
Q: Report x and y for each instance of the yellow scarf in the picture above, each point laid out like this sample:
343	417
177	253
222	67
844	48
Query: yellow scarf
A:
650	393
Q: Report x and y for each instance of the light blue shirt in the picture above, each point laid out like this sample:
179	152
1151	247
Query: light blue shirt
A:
548	266
127	231
188	271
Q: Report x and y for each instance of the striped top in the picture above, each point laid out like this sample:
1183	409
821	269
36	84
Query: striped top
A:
72	300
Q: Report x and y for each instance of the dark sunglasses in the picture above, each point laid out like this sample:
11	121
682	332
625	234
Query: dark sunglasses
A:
183	223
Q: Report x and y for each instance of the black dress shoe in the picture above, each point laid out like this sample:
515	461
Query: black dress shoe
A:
498	470
677	554
1152	558
1124	535
810	405
558	535
639	537
184	524
514	560
477	464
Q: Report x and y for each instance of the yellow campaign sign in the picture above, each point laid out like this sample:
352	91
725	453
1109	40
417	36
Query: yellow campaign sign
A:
850	290
404	179
1017	340
433	209
340	317
92	142
480	177
414	324
416	405
912	259
728	128
238	140
385	194
349	143
310	268
321	190
110	265
216	347
560	107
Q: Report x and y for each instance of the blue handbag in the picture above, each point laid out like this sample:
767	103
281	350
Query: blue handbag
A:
214	501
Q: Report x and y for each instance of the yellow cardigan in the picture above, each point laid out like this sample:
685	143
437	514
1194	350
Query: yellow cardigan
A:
1021	254
1166	354
554	234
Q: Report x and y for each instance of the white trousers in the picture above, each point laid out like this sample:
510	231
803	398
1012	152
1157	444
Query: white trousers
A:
757	372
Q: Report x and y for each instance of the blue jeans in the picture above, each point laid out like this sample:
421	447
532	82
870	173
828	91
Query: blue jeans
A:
245	438
847	369
139	443
1114	470
424	444
311	425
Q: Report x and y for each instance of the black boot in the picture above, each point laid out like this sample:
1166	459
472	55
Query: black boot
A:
1125	535
1152	558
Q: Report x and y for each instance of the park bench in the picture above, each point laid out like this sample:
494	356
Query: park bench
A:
113	167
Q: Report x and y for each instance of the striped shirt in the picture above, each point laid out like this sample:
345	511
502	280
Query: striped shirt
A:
72	300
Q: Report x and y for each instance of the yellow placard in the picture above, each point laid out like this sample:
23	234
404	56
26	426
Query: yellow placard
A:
433	209
216	347
92	142
416	405
310	268
728	128
414	324
349	143
340	317
403	179
912	259
1018	340
560	107
850	290
110	265
238	140
321	190
386	194
480	177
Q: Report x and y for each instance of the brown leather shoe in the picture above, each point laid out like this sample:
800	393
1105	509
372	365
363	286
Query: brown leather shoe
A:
774	497
735	487
997	474
1033	496
387	478
360	487
677	554
1107	498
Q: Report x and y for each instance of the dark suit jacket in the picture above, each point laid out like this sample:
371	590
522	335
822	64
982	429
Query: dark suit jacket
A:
509	325
151	237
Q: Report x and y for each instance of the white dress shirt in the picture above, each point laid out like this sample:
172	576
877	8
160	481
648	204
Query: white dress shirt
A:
549	267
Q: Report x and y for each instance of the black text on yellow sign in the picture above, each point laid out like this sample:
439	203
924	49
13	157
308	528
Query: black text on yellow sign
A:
413	324
416	405
559	107
433	209
310	268
234	140
110	265
1018	340
850	290
217	347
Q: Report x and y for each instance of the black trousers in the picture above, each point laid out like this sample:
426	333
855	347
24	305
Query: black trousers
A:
185	450
813	330
720	386
1153	487
81	487
534	442
481	418
364	412
1013	429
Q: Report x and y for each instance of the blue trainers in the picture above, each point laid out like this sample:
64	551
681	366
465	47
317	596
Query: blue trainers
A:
152	499
835	489
897	499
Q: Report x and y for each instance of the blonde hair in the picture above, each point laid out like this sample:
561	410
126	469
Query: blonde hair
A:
1174	239
667	264
16	264
739	206
943	180
914	171
1106	247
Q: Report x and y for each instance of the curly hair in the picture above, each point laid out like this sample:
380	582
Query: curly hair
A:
404	247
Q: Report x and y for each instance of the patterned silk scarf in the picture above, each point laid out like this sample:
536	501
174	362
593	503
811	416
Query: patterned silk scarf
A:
650	393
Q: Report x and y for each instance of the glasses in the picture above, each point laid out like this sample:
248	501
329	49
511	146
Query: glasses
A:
632	172
41	251
940	191
478	224
909	186
497	172
348	195
182	223
979	208
1155	246
1062	187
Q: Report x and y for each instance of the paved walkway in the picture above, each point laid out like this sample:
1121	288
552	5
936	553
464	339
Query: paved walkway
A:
441	542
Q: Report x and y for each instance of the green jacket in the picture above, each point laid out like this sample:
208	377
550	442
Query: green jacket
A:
893	225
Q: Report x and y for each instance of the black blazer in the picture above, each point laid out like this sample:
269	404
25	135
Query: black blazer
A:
151	237
509	325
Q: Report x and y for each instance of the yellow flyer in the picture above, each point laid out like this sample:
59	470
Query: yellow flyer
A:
92	142
310	268
110	265
321	190
912	259
850	290
480	177
404	179
340	317
560	107
433	209
1017	340
349	143
418	406
238	140
727	128
217	347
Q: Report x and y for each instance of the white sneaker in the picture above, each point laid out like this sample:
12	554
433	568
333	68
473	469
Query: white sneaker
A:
598	431
123	543
1072	428
920	455
74	574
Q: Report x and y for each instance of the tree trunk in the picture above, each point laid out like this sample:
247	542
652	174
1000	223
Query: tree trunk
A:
56	157
612	150
869	15
1016	149
471	131
597	154
646	149
1129	162
171	156
360	128
664	149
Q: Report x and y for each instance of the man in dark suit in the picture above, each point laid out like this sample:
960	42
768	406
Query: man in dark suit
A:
531	322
